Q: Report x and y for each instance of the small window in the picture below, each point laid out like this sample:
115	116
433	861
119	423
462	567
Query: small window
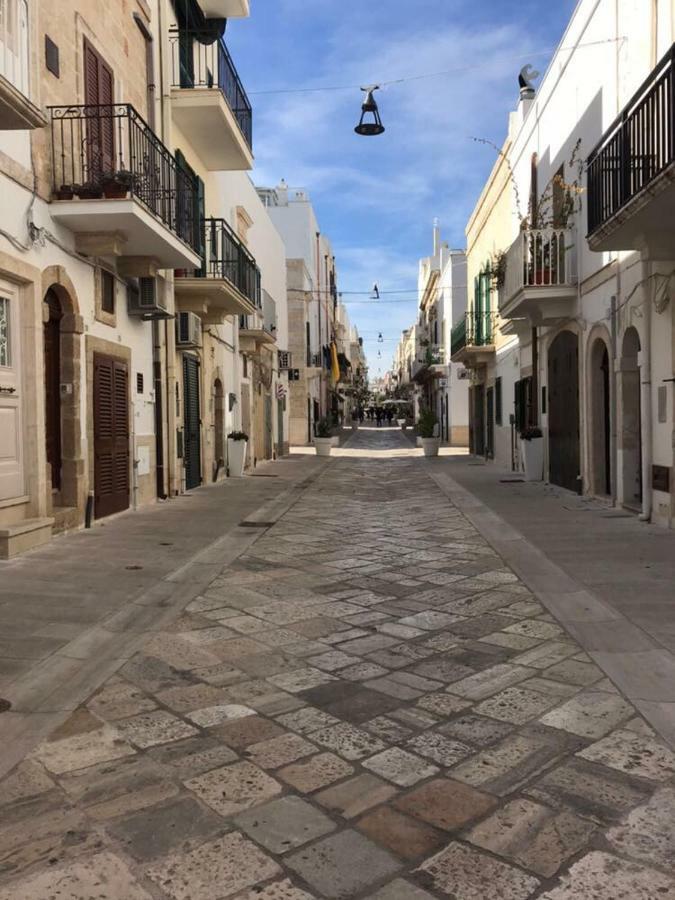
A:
108	292
5	354
139	382
498	401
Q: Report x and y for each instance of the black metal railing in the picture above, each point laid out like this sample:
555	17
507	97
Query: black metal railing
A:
225	257
476	329
111	151
636	149
195	64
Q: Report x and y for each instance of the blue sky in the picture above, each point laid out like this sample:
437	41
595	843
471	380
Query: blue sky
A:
377	197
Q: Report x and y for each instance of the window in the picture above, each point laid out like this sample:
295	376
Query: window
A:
498	401
14	43
139	382
107	292
5	353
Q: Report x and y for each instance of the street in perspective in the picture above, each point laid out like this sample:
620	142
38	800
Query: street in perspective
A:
337	450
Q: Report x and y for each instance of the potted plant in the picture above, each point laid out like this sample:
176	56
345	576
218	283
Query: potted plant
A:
401	423
323	438
426	430
237	441
532	451
90	190
117	185
66	191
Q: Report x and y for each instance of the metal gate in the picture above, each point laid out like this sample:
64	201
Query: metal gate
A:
192	443
563	411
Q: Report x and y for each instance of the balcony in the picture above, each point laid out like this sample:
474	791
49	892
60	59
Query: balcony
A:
225	9
120	191
228	282
430	363
260	330
473	339
541	277
208	101
631	172
17	112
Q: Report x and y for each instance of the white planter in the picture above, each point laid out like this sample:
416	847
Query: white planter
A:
419	441
355	426
236	457
431	446
533	458
335	440
324	446
401	424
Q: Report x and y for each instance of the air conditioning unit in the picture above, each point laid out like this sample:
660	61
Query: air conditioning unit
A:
188	330
285	360
143	299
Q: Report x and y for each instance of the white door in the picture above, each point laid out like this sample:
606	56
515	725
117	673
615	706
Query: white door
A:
11	463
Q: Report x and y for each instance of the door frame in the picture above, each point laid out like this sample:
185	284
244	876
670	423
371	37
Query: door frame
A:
12	379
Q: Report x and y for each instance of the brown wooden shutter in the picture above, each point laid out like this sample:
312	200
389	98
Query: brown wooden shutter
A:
111	435
99	90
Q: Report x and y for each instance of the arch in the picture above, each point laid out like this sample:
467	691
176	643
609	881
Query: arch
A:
599	434
630	436
62	349
563	411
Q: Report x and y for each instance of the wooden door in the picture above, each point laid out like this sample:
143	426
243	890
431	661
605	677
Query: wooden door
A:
479	420
11	437
111	436
192	443
52	346
563	411
490	424
99	91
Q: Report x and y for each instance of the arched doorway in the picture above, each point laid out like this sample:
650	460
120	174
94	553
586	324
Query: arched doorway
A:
52	362
219	425
563	411
631	437
600	432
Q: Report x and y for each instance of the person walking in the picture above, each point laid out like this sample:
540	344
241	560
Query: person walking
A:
378	416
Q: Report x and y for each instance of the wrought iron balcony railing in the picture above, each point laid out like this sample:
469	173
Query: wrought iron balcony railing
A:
195	64
476	329
225	257
539	258
636	148
111	151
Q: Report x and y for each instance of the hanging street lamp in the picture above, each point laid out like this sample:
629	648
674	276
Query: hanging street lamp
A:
370	123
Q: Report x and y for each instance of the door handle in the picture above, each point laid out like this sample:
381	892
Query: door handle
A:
7	390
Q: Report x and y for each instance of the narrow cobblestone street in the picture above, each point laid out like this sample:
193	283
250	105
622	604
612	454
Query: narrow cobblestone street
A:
367	703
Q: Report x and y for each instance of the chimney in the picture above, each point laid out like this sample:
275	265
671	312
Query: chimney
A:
282	193
527	91
437	237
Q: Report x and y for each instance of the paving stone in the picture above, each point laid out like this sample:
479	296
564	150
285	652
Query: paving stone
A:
300	680
28	779
592	791
647	834
363	671
221	675
284	824
473	729
234	788
405	837
446	804
316	772
442	704
550	687
119	700
601	876
446	670
441	749
339	636
231	651
535	837
163	828
243	732
481	685
461	872
412	717
348	741
544	655
398	889
511	641
477	626
279	751
306	720
591	714
193	756
390	731
216	715
216	869
516	704
278	890
353	797
343	865
634	754
400	766
332	661
362	704
371	644
179	654
202	637
149	729
83	750
264	665
399	630
103	876
393	688
115	787
582	674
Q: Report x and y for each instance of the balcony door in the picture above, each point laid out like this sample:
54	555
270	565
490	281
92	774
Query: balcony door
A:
99	91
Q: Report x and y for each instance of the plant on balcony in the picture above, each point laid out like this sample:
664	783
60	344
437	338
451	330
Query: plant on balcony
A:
90	190
498	268
67	191
117	184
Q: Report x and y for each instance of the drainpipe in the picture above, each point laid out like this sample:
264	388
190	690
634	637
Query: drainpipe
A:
318	283
646	395
613	401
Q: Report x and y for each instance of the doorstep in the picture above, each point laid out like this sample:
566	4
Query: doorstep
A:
25	535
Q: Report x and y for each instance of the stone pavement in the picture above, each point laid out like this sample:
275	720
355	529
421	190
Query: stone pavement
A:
367	703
